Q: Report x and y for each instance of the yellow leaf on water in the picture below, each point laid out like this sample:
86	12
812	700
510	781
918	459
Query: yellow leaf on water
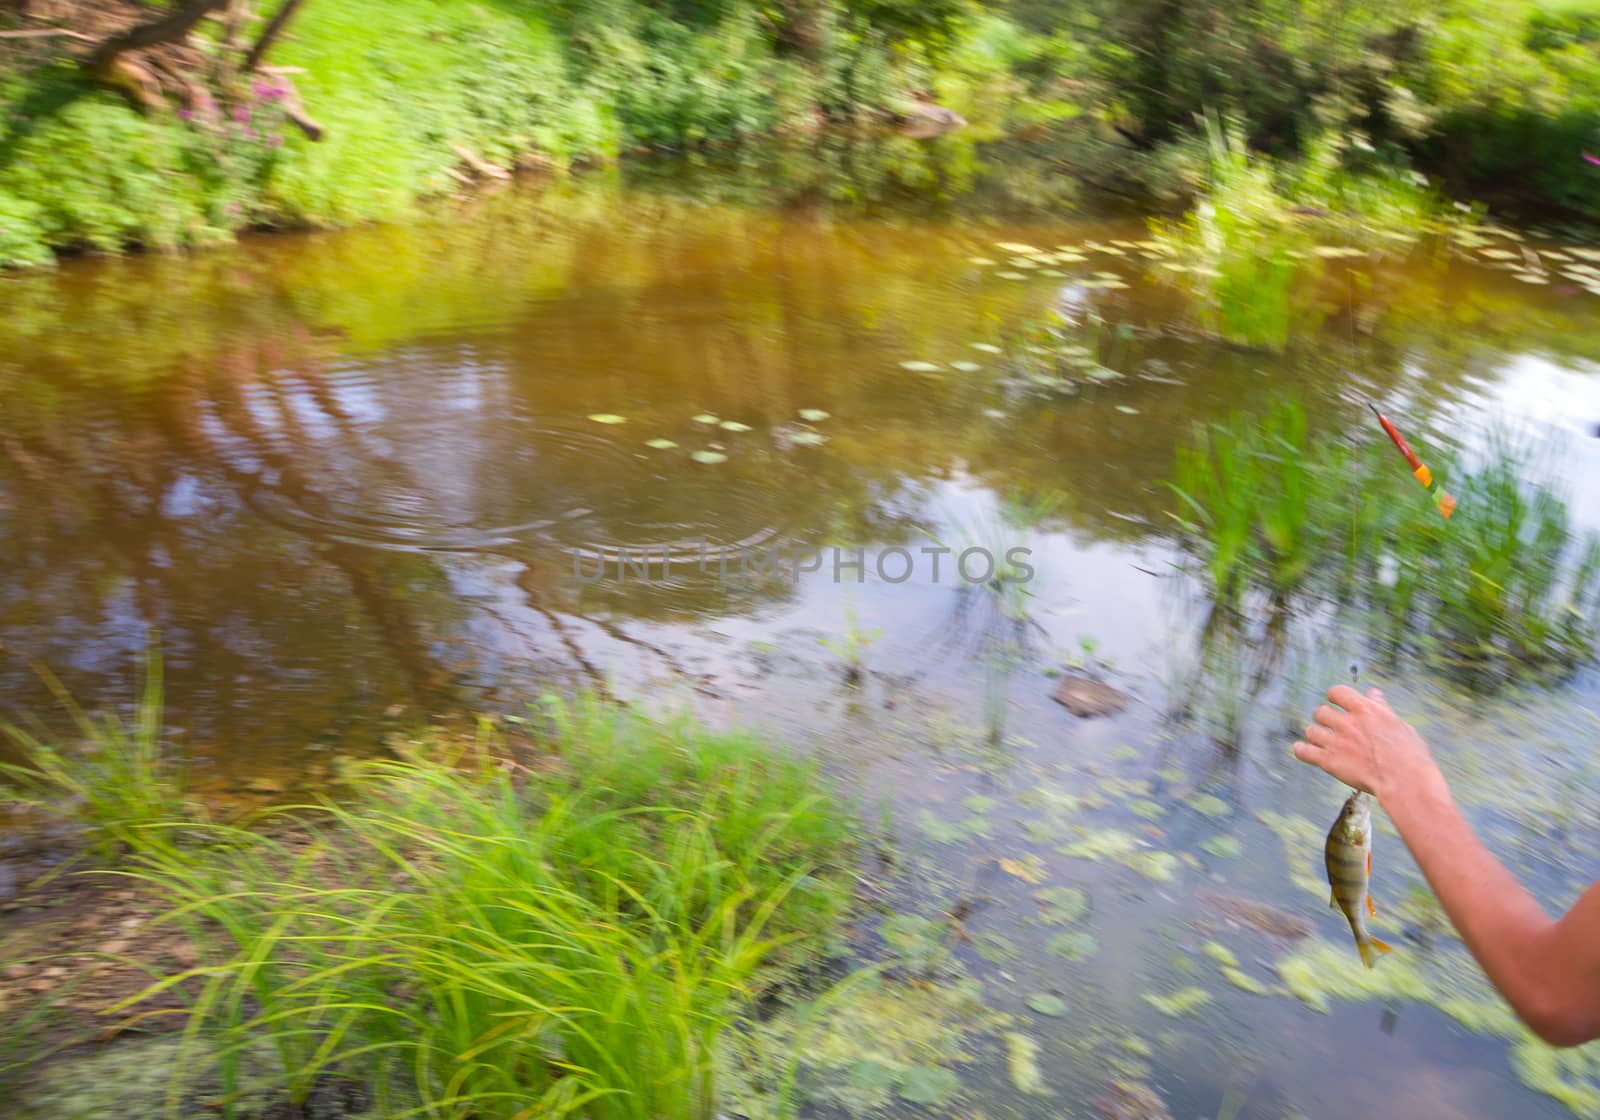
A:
1030	868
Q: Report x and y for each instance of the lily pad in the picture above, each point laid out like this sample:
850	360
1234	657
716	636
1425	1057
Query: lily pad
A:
1074	945
1046	1004
733	426
966	367
708	457
986	347
808	439
1220	953
981	262
705	418
1061	905
921	367
661	444
1209	805
1128	408
1022	1062
1223	847
1011	274
1246	983
933	1085
996	948
1185	1002
1146	810
870	1077
814	415
607	418
1015	247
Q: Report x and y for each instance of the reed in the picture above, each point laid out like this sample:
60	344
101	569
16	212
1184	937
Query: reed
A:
470	936
117	783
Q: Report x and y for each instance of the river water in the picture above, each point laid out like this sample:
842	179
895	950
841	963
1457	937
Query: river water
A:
353	482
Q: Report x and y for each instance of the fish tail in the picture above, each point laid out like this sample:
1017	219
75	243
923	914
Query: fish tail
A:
1370	948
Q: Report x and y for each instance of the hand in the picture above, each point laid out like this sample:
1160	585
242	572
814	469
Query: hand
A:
1364	744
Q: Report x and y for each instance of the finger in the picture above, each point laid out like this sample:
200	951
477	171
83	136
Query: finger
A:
1346	697
1377	697
1309	753
1321	736
1329	716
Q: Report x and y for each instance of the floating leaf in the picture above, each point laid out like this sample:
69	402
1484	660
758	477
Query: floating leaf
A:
1046	1004
1209	805
661	444
1220	953
815	415
1246	983
921	367
708	457
996	948
1223	847
870	1076
966	367
1074	945
1015	247
1022	1062
986	347
929	1085
607	418
981	262
1010	275
733	426
705	418
1030	868
1146	810
939	830
808	439
1185	1002
1062	905
1531	277
1500	254
1156	865
1128	408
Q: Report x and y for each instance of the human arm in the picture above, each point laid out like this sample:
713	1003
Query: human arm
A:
1549	971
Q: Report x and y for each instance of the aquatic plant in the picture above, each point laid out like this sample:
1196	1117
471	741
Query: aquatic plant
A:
1252	247
117	783
851	646
479	932
1507	587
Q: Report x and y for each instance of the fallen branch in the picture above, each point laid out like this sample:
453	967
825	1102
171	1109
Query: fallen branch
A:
166	30
479	164
274	28
45	32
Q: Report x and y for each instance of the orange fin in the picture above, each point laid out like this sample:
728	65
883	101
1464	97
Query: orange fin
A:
1372	907
1369	864
1369	950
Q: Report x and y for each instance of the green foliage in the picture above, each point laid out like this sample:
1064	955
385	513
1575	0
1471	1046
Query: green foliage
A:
476	937
1251	247
117	783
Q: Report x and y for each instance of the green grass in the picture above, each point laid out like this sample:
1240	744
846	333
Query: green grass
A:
1505	589
118	783
576	933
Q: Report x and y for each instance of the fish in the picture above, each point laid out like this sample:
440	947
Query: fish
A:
1349	856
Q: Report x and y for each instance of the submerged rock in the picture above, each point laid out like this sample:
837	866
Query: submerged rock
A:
1087	698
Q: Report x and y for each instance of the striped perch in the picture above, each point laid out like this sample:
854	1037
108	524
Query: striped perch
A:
1349	856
